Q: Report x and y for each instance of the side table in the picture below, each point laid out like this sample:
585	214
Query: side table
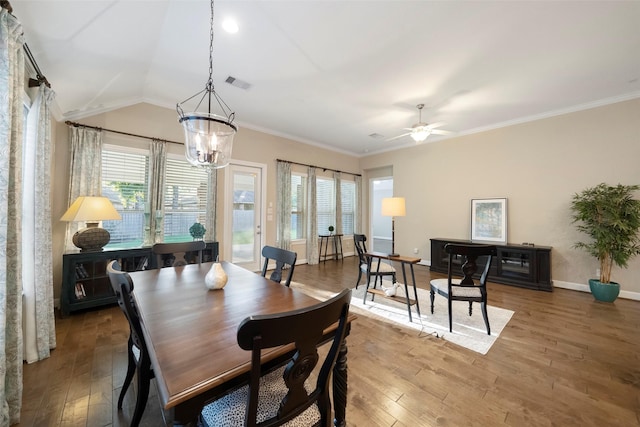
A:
403	260
337	246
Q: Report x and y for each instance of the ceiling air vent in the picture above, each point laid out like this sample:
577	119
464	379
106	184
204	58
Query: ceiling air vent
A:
238	83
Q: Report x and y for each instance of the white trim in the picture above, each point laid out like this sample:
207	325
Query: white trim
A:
580	287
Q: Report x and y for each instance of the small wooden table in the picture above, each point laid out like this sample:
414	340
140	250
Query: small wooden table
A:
403	260
191	334
337	246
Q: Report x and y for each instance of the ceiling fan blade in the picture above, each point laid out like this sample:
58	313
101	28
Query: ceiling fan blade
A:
397	137
435	125
440	132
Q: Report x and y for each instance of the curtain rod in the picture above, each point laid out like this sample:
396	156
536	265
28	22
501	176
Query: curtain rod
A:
40	78
120	132
318	167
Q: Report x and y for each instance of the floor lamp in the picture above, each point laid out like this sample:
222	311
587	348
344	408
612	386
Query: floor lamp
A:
393	207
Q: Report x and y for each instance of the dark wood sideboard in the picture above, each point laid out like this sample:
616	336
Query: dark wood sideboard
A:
85	283
518	265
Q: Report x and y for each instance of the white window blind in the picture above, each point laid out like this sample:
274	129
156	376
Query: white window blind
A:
326	204
298	201
124	182
185	199
348	200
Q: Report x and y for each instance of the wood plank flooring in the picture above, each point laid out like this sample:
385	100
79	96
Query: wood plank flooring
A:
563	360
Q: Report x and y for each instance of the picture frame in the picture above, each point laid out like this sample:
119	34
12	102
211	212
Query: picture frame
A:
489	220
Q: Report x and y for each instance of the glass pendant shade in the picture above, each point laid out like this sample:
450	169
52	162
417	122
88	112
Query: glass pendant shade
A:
208	139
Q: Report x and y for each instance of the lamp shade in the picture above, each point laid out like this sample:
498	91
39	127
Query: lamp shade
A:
393	206
92	210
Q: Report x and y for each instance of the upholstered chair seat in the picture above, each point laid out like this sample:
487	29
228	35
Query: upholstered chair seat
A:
229	410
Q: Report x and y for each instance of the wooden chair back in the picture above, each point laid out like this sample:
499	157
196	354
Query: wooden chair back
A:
178	254
283	258
470	265
123	286
360	243
304	328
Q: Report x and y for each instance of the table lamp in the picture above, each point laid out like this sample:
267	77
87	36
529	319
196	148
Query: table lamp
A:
92	210
393	207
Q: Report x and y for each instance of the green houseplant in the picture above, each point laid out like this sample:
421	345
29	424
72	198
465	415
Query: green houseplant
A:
610	216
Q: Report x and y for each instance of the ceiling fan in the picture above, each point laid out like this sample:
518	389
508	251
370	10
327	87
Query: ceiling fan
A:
420	131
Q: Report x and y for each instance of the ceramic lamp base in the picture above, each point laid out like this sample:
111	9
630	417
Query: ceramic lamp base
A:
91	239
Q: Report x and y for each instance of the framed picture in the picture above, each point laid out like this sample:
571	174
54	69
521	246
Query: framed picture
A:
489	220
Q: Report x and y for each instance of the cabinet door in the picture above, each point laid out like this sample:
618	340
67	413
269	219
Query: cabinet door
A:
516	264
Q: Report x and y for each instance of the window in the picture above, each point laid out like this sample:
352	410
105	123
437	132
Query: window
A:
185	199
124	182
348	200
326	204
298	202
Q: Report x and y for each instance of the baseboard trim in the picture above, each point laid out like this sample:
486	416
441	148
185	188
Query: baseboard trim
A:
585	288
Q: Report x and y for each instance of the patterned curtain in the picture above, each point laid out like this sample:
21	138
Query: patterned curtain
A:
357	214
154	227
212	204
338	183
312	218
38	316
283	209
11	119
86	169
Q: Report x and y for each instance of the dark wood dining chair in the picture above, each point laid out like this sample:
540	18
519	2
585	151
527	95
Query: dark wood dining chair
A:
285	395
471	259
365	265
178	254
283	259
137	354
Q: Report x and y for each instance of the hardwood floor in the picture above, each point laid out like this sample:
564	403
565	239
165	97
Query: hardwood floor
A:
563	360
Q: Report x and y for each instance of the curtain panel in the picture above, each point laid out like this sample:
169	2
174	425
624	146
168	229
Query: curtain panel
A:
86	169
312	218
38	309
357	214
11	136
283	209
212	206
155	206
337	179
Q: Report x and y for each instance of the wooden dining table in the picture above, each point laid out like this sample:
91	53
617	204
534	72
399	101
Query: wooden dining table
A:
191	334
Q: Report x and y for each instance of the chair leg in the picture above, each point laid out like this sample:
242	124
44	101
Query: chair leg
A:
433	297
470	308
483	306
359	277
131	369
144	379
450	320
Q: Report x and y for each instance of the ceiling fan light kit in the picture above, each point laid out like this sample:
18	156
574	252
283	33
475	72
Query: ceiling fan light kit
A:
208	136
420	131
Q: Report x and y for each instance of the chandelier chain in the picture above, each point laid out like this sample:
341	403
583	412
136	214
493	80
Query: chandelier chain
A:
210	82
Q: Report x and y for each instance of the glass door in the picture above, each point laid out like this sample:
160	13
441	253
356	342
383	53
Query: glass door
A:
243	237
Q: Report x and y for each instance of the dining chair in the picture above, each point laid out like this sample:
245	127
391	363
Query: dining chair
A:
365	265
285	395
283	258
178	254
470	259
137	354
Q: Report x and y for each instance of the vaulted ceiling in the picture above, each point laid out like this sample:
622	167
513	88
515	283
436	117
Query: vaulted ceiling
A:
333	73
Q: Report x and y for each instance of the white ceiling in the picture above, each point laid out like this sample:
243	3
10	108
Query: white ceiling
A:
333	72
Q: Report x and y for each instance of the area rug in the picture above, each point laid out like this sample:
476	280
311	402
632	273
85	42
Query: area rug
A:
468	331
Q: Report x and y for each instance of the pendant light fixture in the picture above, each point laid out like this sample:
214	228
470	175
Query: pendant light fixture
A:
208	136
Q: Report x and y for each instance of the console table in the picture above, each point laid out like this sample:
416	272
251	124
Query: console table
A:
525	266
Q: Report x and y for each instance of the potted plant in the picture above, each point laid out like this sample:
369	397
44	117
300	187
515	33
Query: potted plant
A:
331	229
197	231
610	216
